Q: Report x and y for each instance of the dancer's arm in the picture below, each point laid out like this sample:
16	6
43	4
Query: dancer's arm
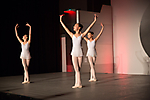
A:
17	33
66	29
85	39
90	26
29	41
99	32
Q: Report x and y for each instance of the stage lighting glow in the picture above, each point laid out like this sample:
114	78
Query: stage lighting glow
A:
69	68
70	11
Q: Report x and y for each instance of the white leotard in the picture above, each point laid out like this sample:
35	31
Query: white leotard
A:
91	48
76	49
25	54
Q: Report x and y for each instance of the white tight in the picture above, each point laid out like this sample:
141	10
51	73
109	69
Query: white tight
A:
25	63
77	61
92	63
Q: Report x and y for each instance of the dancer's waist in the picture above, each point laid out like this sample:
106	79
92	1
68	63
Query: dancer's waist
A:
25	50
91	48
76	46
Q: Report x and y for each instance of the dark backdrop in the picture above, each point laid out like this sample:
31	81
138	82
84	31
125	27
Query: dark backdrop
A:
45	46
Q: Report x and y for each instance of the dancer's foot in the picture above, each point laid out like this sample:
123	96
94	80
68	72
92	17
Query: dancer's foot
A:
80	86
25	82
74	87
28	82
92	80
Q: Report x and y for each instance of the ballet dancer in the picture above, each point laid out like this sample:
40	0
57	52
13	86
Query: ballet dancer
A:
76	49
91	53
25	54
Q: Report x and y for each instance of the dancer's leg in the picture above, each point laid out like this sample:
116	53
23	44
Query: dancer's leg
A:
27	74
94	60
77	73
27	61
24	66
92	67
80	61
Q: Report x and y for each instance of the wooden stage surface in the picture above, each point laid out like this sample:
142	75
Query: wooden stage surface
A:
57	86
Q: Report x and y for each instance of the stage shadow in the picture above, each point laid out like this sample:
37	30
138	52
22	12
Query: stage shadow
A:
9	90
51	78
57	95
107	80
9	96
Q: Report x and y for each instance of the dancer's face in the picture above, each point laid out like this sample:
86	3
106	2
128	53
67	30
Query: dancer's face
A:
76	27
25	37
90	35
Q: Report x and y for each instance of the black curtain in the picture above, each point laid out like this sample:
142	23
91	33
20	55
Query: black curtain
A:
45	48
96	5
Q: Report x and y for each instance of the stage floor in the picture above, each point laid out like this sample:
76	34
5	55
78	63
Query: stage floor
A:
57	86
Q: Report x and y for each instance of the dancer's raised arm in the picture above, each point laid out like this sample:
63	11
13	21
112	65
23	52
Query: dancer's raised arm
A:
66	29
90	26
17	33
29	41
99	32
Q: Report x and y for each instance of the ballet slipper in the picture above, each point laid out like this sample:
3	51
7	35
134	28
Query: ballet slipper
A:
90	80
28	82
24	82
94	80
74	87
80	86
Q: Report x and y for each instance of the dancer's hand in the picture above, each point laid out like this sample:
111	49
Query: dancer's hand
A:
61	17
16	25
28	25
102	25
95	17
